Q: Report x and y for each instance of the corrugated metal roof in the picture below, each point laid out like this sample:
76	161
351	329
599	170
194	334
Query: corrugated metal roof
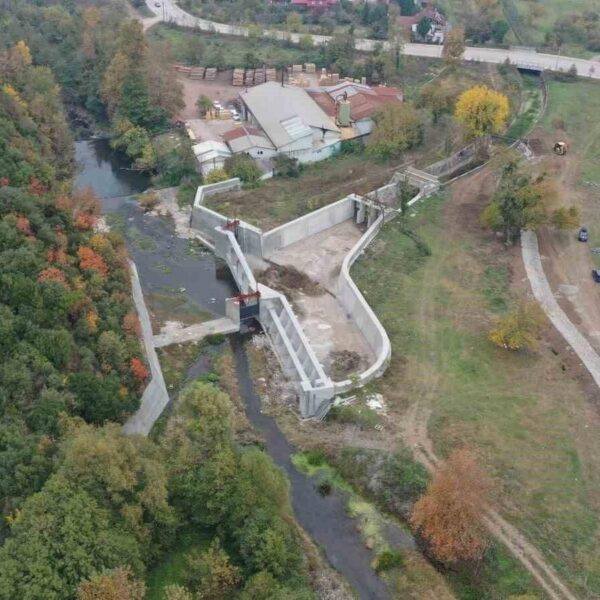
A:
275	106
296	128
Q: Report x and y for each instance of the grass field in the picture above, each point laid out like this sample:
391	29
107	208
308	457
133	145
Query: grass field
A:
528	420
530	20
228	52
281	199
574	109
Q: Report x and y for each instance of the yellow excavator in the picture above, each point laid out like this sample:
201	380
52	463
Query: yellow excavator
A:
560	148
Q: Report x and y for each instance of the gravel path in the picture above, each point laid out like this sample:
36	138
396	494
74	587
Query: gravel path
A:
543	294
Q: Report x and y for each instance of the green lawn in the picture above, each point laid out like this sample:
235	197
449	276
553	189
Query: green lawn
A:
530	20
575	107
528	420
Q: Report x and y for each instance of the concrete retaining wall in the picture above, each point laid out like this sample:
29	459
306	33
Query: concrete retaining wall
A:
307	225
205	220
361	313
294	352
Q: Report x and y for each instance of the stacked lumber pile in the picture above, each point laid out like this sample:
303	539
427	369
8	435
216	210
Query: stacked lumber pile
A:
249	78
210	74
197	73
238	77
271	74
259	76
183	69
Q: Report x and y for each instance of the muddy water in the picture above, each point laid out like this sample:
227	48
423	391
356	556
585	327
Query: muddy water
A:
180	279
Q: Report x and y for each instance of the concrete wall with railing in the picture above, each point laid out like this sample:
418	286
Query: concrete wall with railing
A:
290	345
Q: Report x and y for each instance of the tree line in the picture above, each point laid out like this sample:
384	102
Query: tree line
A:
86	510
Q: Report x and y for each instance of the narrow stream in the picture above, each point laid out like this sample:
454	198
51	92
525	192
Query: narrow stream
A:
167	265
323	517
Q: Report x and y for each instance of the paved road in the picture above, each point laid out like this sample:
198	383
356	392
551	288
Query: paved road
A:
543	294
155	396
168	11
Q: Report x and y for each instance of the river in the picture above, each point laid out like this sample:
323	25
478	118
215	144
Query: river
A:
181	280
166	264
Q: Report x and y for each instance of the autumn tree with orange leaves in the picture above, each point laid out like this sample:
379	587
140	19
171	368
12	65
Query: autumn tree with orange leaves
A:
117	584
91	261
448	516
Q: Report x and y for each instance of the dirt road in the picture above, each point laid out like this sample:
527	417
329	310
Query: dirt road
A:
415	427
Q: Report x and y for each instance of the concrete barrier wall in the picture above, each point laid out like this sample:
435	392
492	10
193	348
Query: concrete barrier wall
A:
205	220
227	248
361	313
307	225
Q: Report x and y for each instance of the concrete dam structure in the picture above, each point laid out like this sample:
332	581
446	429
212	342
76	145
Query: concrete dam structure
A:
297	345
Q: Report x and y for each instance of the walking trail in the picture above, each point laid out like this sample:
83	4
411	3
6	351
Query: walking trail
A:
415	435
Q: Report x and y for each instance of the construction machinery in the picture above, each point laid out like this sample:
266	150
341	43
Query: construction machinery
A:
560	148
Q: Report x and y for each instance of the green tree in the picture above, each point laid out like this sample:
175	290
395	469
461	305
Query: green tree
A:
438	97
244	167
398	127
454	46
423	26
518	329
211	573
306	42
204	104
294	21
523	203
60	537
124	474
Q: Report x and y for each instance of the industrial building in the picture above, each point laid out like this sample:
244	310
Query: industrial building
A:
307	124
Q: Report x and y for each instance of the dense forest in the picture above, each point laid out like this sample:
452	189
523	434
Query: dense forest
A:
110	76
87	511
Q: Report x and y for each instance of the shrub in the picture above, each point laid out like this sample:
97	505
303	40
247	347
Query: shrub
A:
286	166
245	168
388	559
216	175
148	201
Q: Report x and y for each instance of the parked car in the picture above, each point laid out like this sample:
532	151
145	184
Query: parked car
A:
234	114
583	235
596	275
217	105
